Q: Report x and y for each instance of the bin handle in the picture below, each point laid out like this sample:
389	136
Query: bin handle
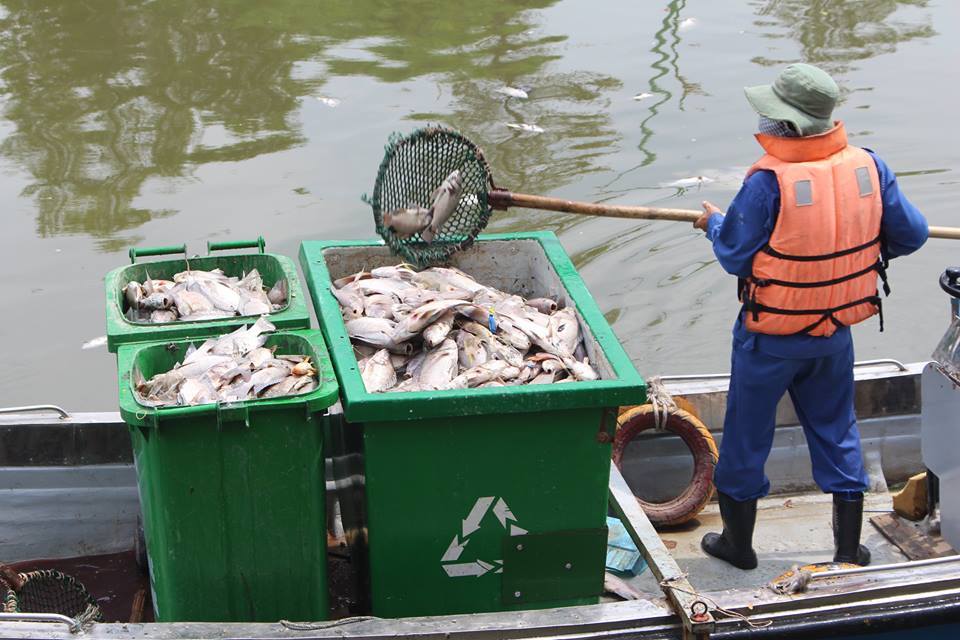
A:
157	251
259	243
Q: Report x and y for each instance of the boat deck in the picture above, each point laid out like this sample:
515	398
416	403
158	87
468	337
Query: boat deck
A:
791	530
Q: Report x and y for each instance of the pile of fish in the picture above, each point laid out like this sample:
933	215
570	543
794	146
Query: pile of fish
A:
230	368
202	295
441	329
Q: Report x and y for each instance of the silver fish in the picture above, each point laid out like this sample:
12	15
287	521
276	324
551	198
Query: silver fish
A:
351	301
194	391
267	377
445	201
191	302
437	332
543	305
377	332
251	281
133	293
399	272
389	286
417	320
163	315
379	305
283	388
253	305
580	370
407	222
410	384
244	339
566	328
221	295
458	279
156	301
278	292
340	283
413	365
471	350
439	367
475	376
379	374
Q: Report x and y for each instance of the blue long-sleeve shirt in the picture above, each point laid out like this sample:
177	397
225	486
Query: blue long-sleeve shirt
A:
747	226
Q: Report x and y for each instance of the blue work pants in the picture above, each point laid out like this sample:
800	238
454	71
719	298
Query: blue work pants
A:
822	393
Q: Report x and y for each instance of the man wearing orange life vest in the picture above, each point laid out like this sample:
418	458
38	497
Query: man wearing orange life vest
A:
808	235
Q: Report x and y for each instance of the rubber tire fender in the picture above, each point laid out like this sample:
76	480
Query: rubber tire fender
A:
696	436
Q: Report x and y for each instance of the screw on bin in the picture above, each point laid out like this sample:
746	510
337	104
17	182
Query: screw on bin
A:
517	594
519	547
568	566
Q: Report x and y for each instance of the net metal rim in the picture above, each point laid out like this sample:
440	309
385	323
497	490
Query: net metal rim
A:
413	249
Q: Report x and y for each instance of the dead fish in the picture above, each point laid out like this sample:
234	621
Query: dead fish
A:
278	292
222	296
379	375
565	326
244	339
413	365
546	377
156	301
340	283
253	305
251	281
616	586
457	279
513	92
445	201
398	272
191	302
518	339
436	332
163	315
543	305
480	374
642	96
417	320
283	388
407	222
471	351
377	332
523	126
194	391
133	294
93	343
580	370
266	377
379	305
351	301
439	367
687	183
388	286
410	384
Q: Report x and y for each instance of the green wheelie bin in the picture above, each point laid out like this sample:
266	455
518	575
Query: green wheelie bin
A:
486	499
272	267
233	495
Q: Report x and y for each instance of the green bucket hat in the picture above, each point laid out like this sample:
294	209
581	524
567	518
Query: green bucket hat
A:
802	94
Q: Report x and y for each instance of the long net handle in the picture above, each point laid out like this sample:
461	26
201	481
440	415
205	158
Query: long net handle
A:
500	199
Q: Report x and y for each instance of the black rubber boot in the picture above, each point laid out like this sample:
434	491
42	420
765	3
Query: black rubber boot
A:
735	544
847	521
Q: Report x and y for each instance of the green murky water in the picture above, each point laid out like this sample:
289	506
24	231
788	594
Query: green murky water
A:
133	123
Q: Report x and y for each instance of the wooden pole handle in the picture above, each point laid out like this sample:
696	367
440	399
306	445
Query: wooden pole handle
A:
501	199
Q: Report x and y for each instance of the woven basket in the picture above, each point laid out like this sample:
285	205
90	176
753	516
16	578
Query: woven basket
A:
50	591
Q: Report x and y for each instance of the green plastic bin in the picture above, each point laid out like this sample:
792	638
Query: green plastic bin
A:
272	267
233	496
480	499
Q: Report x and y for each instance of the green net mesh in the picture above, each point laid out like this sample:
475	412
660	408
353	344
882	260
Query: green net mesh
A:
412	169
50	591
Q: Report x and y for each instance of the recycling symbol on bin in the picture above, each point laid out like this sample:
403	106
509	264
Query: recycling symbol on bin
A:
471	524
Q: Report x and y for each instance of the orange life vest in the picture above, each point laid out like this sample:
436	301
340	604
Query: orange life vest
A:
819	269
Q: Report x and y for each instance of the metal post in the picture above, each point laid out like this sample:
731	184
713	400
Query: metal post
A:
694	613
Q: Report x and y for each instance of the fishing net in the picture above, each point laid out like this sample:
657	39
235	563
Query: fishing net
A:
412	169
50	591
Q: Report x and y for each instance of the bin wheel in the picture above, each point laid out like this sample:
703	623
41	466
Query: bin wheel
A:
696	436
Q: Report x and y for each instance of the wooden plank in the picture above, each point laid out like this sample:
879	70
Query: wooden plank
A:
673	581
910	539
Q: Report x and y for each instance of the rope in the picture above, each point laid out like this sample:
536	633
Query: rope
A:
317	626
661	400
667	584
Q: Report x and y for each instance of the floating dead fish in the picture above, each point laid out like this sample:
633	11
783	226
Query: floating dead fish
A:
529	128
407	222
94	343
642	96
513	92
687	23
687	183
328	101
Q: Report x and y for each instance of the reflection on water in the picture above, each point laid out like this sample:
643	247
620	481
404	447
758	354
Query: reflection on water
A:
106	96
835	34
